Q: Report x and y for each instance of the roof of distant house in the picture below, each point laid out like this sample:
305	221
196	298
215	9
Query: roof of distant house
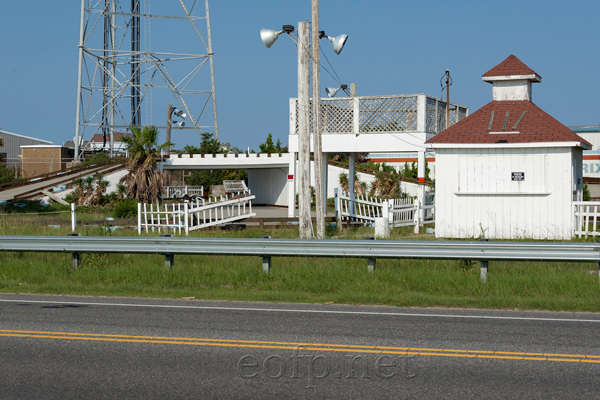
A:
99	137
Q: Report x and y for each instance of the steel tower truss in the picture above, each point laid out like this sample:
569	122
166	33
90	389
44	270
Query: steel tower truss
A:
127	71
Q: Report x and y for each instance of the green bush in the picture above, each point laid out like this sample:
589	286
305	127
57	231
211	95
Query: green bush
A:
125	208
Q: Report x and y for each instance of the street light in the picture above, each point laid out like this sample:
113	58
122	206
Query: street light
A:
170	112
338	41
268	37
332	91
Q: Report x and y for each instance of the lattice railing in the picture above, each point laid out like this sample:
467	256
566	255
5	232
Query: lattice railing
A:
388	114
380	114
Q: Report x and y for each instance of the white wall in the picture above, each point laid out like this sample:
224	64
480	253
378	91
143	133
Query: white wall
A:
476	196
269	185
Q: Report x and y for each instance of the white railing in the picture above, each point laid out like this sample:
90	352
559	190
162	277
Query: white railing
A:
586	218
167	216
382	114
180	191
221	212
194	214
360	208
399	212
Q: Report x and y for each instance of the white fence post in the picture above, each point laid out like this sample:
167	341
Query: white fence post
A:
73	218
417	216
186	207
139	218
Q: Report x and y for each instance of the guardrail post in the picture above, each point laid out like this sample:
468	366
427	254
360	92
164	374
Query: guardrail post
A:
169	258
75	256
371	262
483	269
266	260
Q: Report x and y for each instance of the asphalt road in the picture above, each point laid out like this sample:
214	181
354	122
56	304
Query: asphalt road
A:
55	347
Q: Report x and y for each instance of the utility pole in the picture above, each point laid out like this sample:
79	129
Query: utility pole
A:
447	98
303	132
168	130
317	144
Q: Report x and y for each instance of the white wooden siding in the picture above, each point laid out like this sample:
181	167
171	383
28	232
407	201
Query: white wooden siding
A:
477	198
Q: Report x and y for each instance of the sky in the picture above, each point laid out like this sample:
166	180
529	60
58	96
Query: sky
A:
394	47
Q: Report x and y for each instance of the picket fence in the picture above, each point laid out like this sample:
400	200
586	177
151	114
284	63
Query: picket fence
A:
586	218
399	212
195	214
174	192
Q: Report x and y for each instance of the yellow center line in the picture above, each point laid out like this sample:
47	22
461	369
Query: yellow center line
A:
481	354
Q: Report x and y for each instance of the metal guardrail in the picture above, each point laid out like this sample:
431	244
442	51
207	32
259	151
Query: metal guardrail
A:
266	248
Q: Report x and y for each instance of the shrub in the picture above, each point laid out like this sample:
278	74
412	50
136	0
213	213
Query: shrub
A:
125	208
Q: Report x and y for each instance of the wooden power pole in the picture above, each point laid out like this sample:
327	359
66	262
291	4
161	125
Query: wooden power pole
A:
303	132
316	107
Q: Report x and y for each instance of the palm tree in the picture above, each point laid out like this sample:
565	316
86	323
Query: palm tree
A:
144	181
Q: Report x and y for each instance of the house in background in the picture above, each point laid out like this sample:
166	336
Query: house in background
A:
43	159
10	152
509	170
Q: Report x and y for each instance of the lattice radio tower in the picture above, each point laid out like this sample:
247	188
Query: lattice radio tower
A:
120	73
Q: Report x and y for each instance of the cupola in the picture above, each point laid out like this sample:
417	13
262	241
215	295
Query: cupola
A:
512	80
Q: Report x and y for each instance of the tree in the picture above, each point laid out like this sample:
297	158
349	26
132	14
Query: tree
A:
144	181
269	148
208	145
208	178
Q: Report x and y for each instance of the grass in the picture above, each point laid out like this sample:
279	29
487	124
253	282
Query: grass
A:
402	282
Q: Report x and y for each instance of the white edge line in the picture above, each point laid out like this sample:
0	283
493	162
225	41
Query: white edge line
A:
396	314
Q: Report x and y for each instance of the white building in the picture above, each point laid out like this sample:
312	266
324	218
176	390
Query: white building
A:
509	170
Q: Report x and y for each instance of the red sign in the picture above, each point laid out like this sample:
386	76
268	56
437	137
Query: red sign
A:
290	177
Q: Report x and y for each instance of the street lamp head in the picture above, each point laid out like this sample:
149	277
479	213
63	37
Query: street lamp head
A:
338	42
179	113
269	36
332	91
179	124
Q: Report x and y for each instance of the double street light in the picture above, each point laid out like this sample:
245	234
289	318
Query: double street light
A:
268	37
178	113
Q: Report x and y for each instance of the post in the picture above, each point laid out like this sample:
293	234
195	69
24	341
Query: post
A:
382	224
316	104
75	256
421	182
447	98
484	266
338	209
79	76
186	216
292	186
169	258
266	260
303	132
351	179
139	218
266	264
371	264
168	130
416	216
73	218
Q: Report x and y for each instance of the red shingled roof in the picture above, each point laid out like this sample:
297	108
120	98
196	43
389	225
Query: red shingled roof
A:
535	126
511	66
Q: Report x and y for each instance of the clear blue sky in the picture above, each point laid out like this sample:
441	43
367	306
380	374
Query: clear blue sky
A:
394	47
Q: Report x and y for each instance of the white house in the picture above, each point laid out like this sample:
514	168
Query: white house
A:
509	170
